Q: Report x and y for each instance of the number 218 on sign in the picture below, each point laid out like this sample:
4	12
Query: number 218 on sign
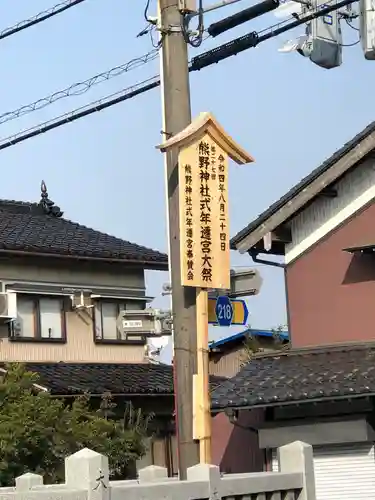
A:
224	312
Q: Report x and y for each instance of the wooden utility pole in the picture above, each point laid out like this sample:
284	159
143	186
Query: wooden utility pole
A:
177	116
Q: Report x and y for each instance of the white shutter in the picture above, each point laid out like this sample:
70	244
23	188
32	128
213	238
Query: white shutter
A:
344	472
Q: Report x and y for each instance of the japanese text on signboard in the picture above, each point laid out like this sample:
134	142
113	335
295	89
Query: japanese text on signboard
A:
204	215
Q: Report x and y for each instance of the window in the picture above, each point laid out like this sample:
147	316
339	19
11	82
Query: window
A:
106	314
39	318
51	324
25	326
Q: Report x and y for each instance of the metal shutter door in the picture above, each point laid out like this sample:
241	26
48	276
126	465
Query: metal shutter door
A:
343	472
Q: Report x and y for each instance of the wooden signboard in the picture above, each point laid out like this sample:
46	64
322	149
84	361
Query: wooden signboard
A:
204	151
204	223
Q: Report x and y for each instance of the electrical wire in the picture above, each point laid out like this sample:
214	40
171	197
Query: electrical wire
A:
348	18
254	38
38	18
145	14
290	19
156	43
195	41
153	82
150	28
81	112
280	24
79	88
350	44
350	25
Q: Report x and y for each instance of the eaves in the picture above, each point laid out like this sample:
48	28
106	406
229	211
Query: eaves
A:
145	264
303	193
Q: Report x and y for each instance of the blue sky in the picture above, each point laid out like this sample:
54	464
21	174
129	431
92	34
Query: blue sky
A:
104	170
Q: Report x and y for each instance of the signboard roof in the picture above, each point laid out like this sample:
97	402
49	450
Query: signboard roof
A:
206	123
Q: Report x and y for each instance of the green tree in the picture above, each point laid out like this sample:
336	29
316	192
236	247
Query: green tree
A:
37	430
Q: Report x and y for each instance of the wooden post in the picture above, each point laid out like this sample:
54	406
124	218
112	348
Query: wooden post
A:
204	416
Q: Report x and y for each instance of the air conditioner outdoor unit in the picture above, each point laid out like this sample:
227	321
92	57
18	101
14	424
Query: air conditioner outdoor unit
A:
8	305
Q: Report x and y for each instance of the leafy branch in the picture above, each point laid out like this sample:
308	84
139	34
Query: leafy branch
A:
38	430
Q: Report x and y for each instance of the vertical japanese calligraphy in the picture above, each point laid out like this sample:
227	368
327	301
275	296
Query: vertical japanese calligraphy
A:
189	230
205	200
204	224
222	190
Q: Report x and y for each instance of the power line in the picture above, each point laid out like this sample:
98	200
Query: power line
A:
243	16
93	107
207	58
79	88
145	14
38	18
253	39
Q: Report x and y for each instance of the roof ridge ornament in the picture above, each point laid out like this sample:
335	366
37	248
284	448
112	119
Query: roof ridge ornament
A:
48	205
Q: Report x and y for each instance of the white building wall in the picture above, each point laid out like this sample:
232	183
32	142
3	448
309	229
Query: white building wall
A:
354	191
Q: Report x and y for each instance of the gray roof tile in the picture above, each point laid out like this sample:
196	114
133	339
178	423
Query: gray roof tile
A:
117	378
300	376
25	227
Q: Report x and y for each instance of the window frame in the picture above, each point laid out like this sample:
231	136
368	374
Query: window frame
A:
118	341
37	337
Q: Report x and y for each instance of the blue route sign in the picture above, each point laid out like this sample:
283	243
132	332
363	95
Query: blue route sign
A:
239	316
224	311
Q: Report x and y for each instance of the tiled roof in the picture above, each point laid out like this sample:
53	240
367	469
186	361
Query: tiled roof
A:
98	378
302	185
300	376
26	227
248	333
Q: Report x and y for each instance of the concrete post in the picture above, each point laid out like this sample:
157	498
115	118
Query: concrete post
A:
298	457
88	470
152	473
27	481
209	474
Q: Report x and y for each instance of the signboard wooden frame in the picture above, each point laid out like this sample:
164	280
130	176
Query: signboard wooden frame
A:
204	152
